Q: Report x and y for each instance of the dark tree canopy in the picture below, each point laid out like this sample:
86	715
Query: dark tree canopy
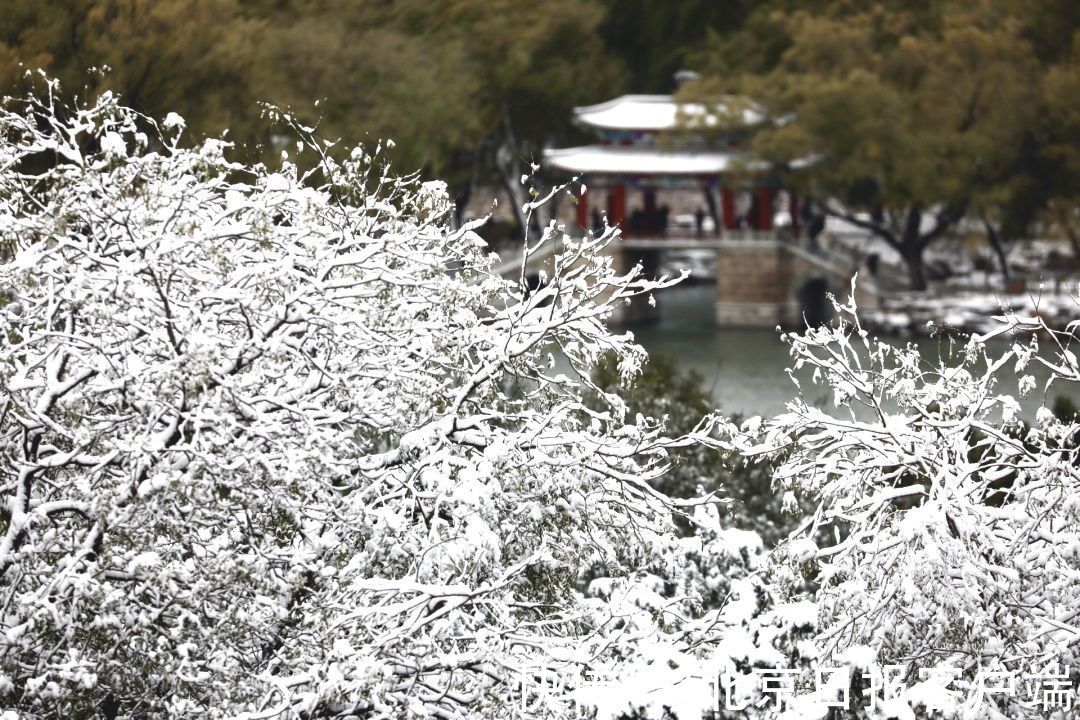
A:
656	39
916	114
920	113
448	81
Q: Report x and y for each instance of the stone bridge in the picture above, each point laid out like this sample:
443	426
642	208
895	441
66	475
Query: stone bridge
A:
763	279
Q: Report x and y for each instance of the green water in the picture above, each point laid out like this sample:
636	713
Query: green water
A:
745	370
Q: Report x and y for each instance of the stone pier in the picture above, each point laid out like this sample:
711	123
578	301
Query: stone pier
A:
764	283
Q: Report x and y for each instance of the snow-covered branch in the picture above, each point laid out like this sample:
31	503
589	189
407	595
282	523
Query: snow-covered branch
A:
276	442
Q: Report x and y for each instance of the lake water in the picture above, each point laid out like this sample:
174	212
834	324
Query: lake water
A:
745	370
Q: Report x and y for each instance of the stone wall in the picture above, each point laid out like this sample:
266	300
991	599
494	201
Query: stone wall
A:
759	282
753	278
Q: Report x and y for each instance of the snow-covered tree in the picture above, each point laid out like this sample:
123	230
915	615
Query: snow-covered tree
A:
277	443
946	535
937	574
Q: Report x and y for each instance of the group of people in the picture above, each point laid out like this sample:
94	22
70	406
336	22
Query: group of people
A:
644	222
655	222
641	222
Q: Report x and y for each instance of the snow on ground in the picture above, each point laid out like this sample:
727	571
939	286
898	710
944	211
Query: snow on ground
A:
920	313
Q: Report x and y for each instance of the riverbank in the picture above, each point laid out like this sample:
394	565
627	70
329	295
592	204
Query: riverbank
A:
913	314
964	296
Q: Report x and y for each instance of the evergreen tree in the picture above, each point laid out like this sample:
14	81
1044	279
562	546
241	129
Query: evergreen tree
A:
906	117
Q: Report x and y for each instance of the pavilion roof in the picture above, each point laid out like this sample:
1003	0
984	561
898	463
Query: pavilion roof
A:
650	113
643	160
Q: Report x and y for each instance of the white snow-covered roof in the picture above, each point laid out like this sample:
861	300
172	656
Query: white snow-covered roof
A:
638	160
650	113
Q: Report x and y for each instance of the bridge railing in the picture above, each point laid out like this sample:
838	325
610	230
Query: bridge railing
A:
682	235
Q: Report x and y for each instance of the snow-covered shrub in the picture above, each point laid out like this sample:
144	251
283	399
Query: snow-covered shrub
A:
946	532
696	641
276	443
662	390
937	574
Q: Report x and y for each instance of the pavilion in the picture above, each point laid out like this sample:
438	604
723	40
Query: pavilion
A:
642	147
650	144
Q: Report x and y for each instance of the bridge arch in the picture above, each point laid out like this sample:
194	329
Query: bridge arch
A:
770	282
810	292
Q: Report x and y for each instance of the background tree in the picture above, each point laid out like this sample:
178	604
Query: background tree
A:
654	40
1060	157
1042	193
532	63
914	115
468	90
196	57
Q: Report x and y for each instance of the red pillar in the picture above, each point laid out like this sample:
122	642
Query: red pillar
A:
765	209
617	206
727	207
583	210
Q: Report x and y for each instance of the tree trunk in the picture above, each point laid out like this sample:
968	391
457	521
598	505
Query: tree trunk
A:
994	239
1060	214
465	192
461	202
714	212
1074	241
913	259
508	167
911	250
508	170
911	240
